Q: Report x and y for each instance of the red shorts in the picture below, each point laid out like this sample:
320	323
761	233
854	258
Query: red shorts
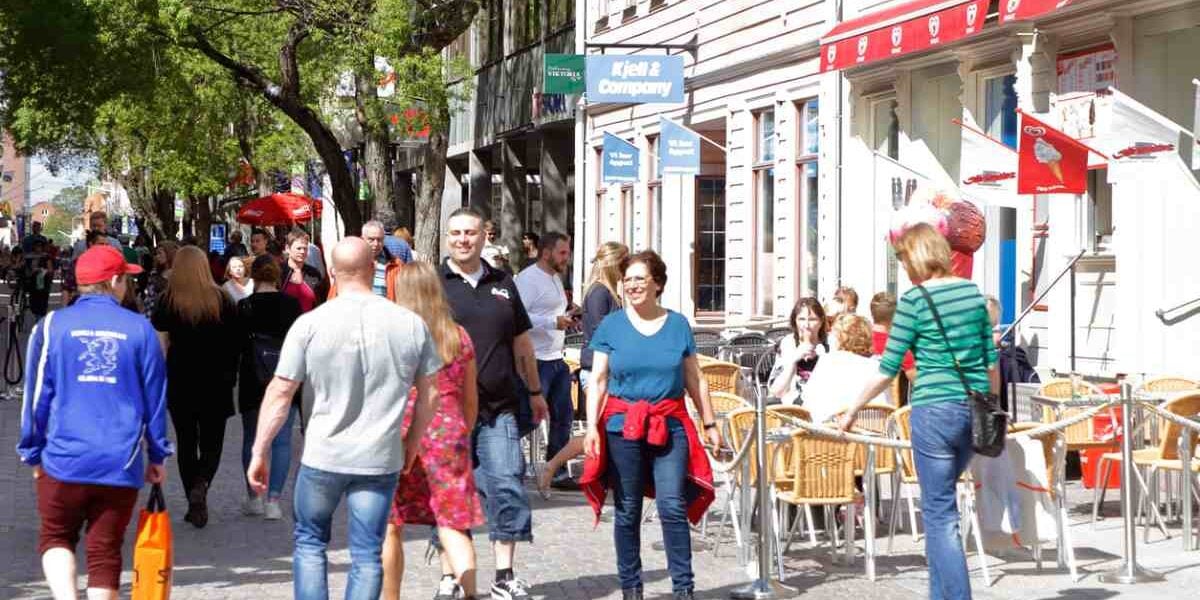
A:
104	511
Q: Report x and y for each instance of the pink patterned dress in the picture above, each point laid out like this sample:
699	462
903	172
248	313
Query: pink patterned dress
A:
440	489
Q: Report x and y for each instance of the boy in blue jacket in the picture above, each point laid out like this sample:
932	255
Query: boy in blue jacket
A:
96	389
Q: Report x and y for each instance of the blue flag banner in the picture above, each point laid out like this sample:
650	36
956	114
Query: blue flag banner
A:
635	79
619	160
678	149
216	238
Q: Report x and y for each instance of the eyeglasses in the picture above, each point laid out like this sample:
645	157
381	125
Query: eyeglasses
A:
635	281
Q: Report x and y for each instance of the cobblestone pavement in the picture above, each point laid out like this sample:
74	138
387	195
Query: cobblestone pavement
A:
248	558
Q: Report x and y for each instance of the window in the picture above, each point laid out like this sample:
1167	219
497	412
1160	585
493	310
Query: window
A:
764	207
885	128
1099	211
1000	109
559	14
526	22
491	31
654	190
807	196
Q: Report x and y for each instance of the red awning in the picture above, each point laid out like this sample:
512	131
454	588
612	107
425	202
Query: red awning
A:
903	29
1020	10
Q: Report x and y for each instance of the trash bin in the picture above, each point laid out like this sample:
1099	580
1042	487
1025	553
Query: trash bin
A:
1106	426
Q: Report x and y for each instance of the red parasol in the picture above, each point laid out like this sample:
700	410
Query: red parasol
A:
279	209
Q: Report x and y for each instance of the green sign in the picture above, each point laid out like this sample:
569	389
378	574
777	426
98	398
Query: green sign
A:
563	74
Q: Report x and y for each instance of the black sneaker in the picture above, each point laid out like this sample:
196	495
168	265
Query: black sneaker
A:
632	594
512	589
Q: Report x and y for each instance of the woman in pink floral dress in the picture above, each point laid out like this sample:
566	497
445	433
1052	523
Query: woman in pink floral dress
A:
440	488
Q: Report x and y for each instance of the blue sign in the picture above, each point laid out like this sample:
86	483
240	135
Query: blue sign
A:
678	149
216	238
619	160
635	79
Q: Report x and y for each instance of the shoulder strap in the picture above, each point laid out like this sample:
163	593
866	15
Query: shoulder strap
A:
937	318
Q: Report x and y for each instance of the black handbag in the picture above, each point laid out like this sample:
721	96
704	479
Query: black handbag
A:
989	422
264	356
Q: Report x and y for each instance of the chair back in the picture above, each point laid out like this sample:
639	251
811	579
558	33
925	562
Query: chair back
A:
778	333
741	424
721	377
900	428
1183	406
1080	434
873	418
724	403
1169	384
708	343
1047	442
822	470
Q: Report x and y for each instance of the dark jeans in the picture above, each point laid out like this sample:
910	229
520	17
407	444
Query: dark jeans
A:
941	439
630	466
500	478
555	378
200	438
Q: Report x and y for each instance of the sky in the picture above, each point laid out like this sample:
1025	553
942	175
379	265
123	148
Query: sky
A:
44	186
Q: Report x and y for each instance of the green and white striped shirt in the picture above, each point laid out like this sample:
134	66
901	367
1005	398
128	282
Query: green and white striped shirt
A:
964	314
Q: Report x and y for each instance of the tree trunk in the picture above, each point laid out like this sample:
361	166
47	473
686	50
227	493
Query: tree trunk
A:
377	158
164	213
428	213
202	212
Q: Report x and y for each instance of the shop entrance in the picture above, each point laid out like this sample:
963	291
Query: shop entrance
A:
710	244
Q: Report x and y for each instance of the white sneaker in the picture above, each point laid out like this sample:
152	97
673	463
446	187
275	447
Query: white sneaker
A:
273	512
252	507
513	589
448	590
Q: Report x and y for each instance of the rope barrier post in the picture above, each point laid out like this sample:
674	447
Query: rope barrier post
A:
763	587
1129	572
1185	480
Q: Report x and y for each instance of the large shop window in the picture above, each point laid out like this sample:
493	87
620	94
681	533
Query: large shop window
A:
1000	109
764	201
654	191
885	128
808	194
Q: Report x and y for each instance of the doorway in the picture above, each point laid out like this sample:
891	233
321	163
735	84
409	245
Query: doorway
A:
710	244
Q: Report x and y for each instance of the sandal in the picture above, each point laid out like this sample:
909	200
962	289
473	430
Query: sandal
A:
543	483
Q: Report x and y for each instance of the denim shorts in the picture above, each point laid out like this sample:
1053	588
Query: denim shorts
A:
500	478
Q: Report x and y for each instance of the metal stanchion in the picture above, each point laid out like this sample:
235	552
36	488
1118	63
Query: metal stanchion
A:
763	587
1185	479
1129	571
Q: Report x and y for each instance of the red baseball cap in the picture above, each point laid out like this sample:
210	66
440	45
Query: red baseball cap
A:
101	263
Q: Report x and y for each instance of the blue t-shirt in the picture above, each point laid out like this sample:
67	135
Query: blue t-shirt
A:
644	367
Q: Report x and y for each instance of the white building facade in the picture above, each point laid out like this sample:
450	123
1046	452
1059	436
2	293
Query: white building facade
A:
807	160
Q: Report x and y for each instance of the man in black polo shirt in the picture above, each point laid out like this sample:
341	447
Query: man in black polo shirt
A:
485	302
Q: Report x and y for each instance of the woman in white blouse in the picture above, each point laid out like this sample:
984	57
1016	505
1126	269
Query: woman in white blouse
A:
237	284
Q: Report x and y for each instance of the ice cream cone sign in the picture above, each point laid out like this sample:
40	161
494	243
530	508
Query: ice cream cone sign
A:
1049	161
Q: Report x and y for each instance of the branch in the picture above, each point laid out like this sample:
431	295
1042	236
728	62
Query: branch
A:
247	75
289	68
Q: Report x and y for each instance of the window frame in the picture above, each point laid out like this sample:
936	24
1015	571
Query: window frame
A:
802	286
654	192
984	76
762	168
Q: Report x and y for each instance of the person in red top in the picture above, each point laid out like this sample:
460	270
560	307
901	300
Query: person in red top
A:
883	308
640	440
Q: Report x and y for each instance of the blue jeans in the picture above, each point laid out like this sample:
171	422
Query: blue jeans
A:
941	439
368	501
500	478
630	466
281	450
555	378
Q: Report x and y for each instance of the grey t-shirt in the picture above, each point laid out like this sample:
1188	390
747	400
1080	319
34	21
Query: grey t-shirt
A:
361	354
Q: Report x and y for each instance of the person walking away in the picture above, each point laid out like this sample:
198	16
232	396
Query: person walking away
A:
799	352
486	303
235	248
92	399
397	245
600	300
301	280
98	225
387	266
545	301
883	311
640	439
196	325
361	354
156	283
263	321
440	489
403	234
1014	362
237	283
941	417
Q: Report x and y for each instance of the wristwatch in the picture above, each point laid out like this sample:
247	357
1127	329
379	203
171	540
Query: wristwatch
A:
535	392
710	425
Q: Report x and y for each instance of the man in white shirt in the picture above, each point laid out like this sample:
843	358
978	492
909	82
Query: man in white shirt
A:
495	254
541	288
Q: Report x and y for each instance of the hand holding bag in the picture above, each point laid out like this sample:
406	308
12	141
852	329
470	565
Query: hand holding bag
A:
153	552
989	422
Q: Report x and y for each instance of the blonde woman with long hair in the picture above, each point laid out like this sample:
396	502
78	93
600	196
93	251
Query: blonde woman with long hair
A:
195	320
600	298
440	489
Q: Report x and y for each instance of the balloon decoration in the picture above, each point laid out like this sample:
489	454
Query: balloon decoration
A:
959	220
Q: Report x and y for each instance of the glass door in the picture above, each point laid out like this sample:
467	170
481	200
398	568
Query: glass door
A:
710	244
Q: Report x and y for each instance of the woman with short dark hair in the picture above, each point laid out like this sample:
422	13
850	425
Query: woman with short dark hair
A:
639	435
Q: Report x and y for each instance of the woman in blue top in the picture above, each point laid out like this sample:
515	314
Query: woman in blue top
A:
644	357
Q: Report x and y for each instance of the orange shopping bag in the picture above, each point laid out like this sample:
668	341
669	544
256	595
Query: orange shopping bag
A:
152	553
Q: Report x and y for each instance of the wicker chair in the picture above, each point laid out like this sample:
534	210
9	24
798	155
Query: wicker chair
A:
873	418
721	377
1166	385
822	475
1054	470
1080	436
1171	460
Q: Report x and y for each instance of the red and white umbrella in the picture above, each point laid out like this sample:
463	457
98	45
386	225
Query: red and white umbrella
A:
279	209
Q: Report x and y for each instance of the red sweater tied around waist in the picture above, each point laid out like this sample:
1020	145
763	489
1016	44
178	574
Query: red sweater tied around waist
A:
646	421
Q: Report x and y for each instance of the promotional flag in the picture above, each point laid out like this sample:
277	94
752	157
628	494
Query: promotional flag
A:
1049	161
1137	137
989	168
678	149
618	160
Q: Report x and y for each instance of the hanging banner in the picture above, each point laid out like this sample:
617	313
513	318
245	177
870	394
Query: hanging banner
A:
1020	10
989	168
1137	137
890	33
678	149
563	74
635	79
618	160
1050	161
1089	70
